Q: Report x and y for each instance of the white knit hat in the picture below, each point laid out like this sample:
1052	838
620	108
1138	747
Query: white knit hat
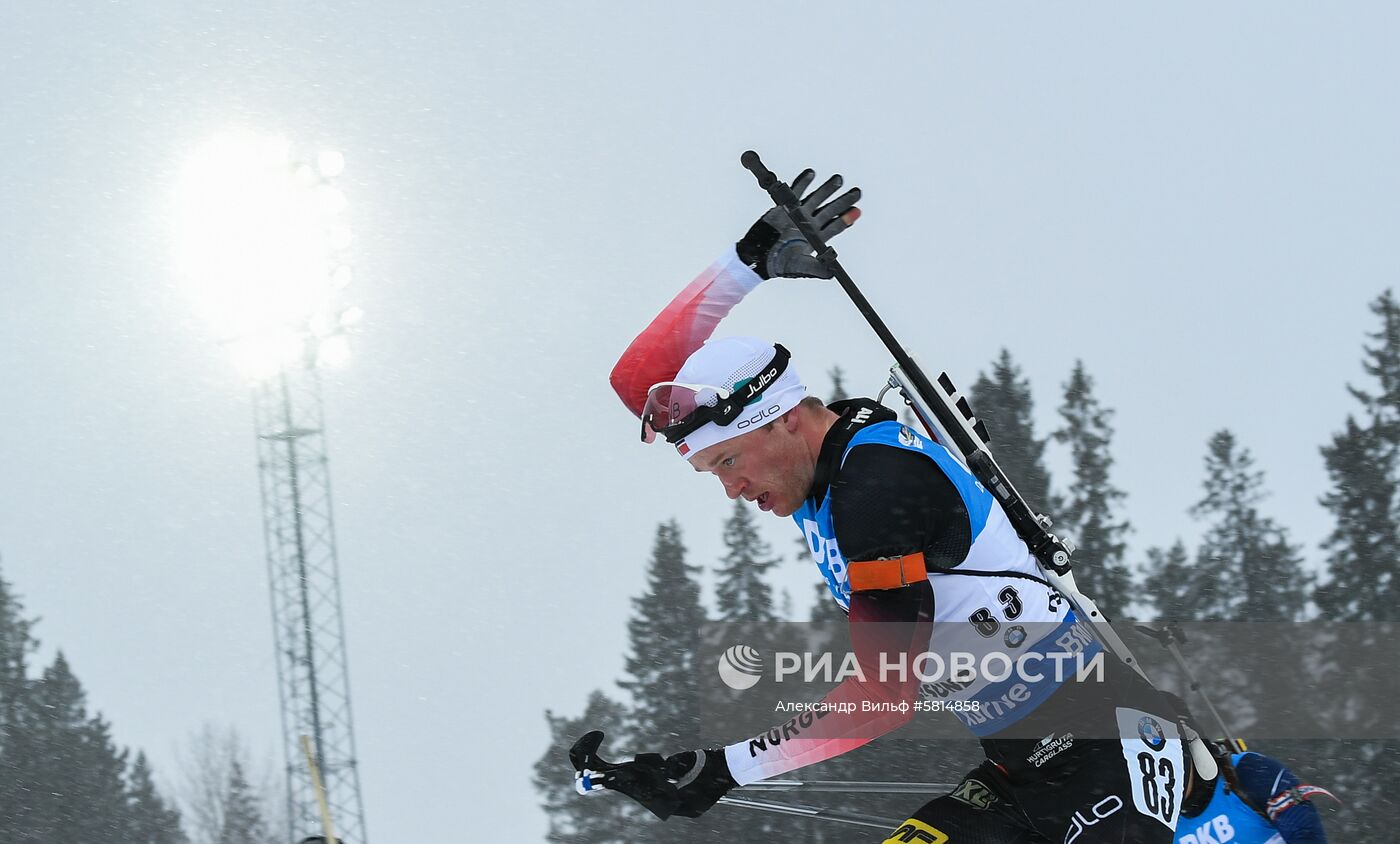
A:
729	363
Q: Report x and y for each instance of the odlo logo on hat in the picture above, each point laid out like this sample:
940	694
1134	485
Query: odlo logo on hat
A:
740	667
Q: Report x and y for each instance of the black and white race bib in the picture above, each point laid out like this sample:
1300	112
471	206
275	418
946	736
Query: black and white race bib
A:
1152	751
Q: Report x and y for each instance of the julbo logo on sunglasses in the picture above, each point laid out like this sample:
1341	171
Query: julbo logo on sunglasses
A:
760	384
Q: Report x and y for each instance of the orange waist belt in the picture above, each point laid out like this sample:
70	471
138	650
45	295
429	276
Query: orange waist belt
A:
892	573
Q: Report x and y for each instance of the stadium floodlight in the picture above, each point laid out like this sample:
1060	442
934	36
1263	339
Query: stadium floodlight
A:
260	246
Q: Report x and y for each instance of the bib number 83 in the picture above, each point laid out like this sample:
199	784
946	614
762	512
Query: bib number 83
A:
1152	755
1158	785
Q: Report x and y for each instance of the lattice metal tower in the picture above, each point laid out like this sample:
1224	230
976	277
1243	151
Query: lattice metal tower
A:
261	245
303	571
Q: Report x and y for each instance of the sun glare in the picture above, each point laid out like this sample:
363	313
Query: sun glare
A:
259	241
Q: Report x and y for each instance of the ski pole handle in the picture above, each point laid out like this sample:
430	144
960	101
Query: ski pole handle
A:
754	165
781	194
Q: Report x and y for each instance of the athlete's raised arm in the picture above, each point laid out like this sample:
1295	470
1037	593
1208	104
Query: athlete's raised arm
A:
772	247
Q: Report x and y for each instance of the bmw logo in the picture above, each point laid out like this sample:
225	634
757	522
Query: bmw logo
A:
1150	731
740	667
1015	636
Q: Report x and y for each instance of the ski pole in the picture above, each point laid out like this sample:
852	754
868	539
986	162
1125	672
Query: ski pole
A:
646	784
953	415
586	786
852	786
832	815
1167	637
1046	546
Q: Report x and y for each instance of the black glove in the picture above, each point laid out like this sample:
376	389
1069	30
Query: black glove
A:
701	777
774	246
684	784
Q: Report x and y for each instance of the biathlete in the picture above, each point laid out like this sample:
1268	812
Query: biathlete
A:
922	559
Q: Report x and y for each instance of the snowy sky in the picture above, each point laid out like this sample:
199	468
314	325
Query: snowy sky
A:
1198	200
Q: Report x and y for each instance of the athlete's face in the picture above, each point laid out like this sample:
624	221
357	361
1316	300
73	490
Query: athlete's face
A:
771	466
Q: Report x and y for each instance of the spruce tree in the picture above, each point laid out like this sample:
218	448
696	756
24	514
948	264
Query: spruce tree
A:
1003	402
1246	570
1363	466
150	819
62	777
16	644
1089	510
1255	573
1361	586
243	821
743	595
664	674
661	668
576	819
1170	587
78	792
19	754
102	779
1382	363
1172	584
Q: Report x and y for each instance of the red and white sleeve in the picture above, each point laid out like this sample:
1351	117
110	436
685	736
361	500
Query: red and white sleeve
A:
884	626
682	327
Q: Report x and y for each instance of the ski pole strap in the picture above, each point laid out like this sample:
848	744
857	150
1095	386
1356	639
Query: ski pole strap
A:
887	573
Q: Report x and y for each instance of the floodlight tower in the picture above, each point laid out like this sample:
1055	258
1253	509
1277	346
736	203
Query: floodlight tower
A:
262	243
